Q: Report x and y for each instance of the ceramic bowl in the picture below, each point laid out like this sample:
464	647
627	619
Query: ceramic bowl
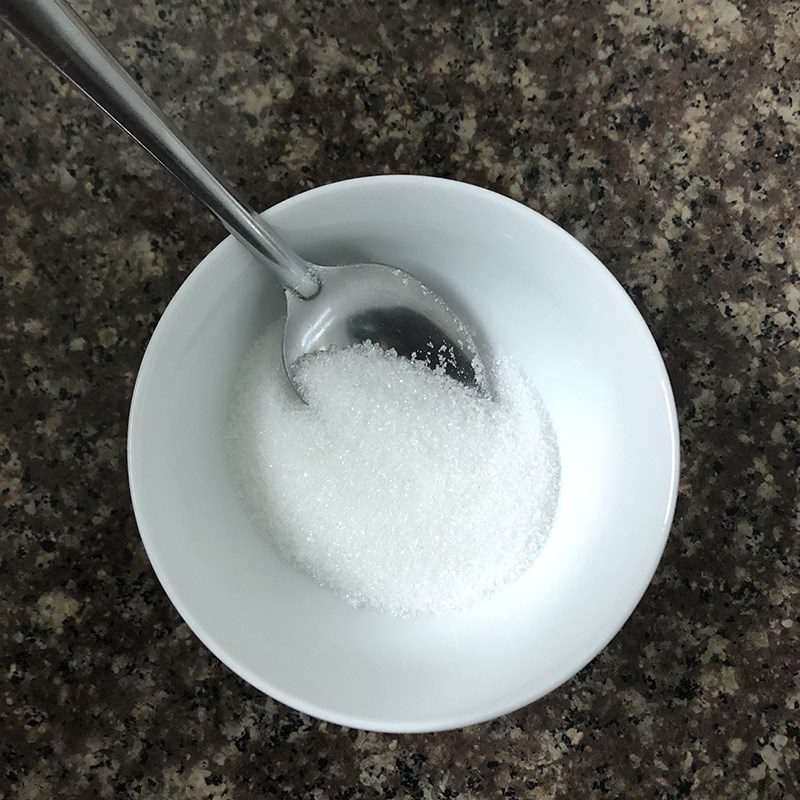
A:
529	289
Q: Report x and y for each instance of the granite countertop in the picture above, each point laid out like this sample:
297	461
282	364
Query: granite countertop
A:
664	135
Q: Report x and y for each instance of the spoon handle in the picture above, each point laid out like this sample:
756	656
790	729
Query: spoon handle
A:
54	29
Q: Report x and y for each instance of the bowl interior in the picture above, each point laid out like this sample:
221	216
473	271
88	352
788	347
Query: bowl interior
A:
528	288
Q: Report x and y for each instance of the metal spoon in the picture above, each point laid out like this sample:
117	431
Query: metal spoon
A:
326	307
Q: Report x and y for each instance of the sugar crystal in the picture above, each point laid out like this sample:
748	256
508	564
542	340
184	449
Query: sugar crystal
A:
394	485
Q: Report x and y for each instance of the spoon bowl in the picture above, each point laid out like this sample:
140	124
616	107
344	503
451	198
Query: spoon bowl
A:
385	306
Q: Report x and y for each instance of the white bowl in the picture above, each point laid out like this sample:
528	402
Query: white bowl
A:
531	290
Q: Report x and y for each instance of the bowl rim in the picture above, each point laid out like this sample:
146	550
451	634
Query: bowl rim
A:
485	710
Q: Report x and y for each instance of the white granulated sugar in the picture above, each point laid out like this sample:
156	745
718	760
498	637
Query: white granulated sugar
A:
397	487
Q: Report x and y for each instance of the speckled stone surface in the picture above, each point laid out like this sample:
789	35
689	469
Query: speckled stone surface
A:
664	135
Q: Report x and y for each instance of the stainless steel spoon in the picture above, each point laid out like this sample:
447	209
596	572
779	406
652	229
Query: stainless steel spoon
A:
326	306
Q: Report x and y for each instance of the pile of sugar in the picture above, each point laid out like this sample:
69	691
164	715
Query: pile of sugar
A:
397	487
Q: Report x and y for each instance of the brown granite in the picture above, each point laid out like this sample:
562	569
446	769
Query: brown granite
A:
663	134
